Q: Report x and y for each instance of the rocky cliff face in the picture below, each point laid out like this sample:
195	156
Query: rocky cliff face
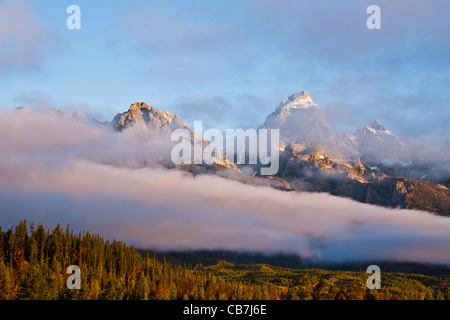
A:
315	171
366	166
160	124
140	114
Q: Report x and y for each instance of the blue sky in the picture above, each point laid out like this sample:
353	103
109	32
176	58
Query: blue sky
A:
230	63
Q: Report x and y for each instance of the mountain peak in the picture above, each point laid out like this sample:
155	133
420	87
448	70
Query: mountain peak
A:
300	100
24	108
304	95
143	115
300	120
139	106
377	126
375	137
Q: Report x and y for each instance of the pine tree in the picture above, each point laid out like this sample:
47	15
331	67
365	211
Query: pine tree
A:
55	280
34	286
6	283
142	289
173	293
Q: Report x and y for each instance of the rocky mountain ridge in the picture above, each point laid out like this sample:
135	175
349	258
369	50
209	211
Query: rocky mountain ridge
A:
368	165
312	157
145	116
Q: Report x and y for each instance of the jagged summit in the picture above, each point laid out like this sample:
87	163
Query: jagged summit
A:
141	106
376	129
146	116
377	126
302	96
376	144
164	122
373	128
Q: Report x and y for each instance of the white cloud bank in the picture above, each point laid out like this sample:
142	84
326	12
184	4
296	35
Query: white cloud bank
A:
56	170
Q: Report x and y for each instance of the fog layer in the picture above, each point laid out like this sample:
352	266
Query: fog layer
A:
55	170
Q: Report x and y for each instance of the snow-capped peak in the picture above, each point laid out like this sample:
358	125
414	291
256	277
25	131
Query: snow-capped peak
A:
300	100
376	125
375	128
375	133
300	120
299	97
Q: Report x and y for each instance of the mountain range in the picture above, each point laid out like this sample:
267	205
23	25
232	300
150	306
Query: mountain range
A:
371	165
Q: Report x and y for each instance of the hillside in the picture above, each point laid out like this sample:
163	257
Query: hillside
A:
33	263
315	171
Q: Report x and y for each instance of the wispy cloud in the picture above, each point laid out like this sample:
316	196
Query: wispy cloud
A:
24	39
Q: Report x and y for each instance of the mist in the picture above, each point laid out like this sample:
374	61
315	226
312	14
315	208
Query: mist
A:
55	170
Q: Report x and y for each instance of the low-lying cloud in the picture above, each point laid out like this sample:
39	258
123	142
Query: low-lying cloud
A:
55	170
